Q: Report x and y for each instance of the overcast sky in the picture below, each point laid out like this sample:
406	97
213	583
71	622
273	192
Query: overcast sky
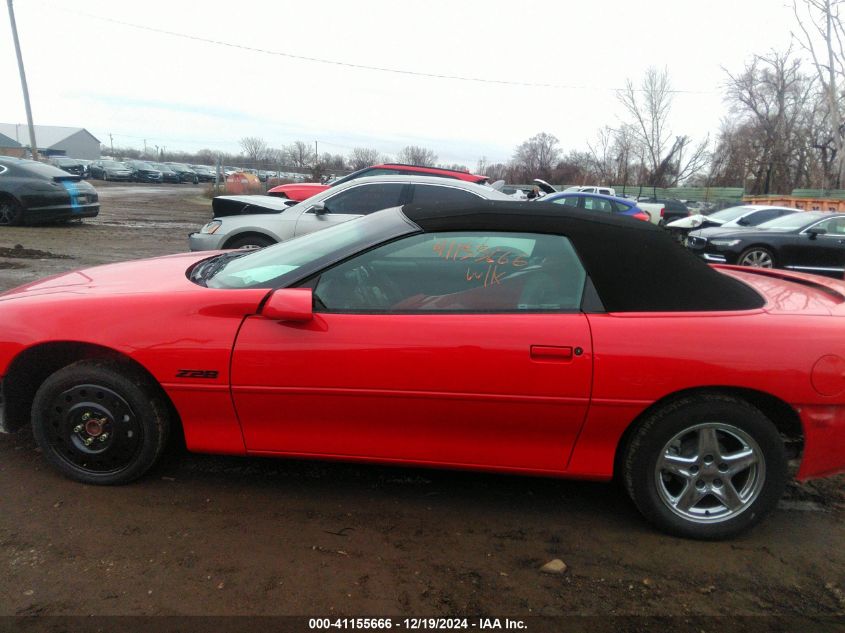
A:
136	84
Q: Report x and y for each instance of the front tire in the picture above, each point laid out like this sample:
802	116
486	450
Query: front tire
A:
250	241
706	467
757	257
100	422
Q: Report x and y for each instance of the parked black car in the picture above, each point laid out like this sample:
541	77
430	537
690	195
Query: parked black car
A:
109	170
32	192
70	165
186	174
204	173
811	242
167	173
142	171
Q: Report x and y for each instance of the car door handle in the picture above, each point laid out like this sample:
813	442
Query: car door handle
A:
551	353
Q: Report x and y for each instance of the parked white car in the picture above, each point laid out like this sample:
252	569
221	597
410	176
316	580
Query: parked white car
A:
733	217
335	205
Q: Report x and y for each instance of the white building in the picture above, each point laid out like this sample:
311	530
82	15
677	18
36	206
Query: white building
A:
55	140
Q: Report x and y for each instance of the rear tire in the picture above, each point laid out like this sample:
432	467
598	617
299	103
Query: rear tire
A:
705	467
100	422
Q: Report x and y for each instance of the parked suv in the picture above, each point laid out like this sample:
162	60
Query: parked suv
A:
303	190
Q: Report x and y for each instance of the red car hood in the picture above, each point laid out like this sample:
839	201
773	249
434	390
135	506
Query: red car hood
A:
159	274
298	191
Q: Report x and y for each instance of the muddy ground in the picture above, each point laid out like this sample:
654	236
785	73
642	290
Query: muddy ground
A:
234	536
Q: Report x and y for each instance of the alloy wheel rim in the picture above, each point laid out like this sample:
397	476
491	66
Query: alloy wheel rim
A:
710	473
758	259
93	429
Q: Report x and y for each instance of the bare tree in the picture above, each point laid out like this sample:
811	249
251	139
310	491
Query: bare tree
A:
254	148
414	155
536	157
333	162
362	157
662	152
822	35
576	168
300	154
769	98
495	171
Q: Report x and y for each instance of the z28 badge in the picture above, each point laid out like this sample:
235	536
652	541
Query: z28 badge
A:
196	373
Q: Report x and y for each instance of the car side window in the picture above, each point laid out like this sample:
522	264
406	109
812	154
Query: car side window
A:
466	272
598	204
620	207
425	194
365	198
833	226
763	216
567	201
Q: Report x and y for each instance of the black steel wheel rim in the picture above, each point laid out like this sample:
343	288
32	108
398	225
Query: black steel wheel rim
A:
94	429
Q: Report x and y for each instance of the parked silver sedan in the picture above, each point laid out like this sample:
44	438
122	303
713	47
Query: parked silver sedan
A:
335	205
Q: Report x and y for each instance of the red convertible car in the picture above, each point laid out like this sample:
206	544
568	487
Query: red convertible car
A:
491	337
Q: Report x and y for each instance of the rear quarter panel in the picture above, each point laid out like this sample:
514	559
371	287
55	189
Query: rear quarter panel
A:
643	358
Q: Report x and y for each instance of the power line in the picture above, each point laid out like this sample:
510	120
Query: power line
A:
334	62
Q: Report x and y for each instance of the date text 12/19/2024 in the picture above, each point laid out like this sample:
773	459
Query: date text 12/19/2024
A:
416	624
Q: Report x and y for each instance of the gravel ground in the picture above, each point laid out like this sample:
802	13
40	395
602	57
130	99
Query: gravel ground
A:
206	535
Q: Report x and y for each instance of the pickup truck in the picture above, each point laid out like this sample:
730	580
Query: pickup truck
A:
662	212
605	191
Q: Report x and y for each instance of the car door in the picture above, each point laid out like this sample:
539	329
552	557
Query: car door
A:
823	253
352	202
462	349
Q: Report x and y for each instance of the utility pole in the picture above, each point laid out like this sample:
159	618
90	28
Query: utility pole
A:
145	147
111	142
33	146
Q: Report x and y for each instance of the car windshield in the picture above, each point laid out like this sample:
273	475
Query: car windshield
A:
279	265
142	165
730	214
113	164
791	222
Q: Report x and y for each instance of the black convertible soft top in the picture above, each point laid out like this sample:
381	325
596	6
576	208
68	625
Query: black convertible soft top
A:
634	265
